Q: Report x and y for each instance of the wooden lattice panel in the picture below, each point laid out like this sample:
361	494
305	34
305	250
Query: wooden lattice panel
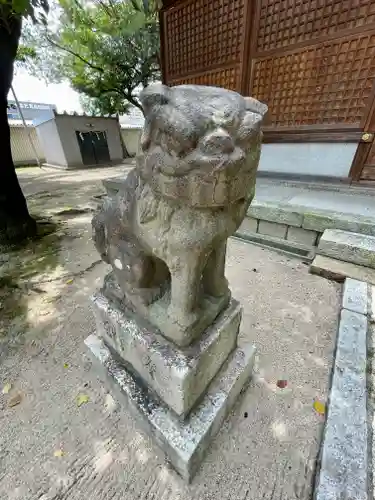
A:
201	34
325	84
283	23
227	78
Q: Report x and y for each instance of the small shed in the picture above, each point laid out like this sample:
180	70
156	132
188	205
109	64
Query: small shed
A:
76	141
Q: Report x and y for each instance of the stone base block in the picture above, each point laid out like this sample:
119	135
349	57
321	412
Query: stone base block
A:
183	334
184	442
276	212
338	270
349	247
300	235
249	225
272	229
180	330
179	376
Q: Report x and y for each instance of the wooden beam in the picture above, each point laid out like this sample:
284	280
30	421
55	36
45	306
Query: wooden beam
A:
359	161
303	136
368	173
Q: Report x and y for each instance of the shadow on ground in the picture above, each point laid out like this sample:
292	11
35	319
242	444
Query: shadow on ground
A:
20	267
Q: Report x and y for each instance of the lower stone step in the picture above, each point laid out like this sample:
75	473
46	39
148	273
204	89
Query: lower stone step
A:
348	247
284	246
338	270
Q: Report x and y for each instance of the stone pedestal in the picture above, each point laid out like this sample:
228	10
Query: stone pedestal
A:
178	376
167	327
181	396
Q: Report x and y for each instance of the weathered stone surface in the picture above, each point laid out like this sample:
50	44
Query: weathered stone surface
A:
355	296
178	376
285	246
327	219
112	186
276	213
272	229
343	472
165	310
338	270
311	218
183	442
165	232
350	247
249	225
300	235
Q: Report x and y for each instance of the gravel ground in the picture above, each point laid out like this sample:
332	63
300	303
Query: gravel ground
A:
53	449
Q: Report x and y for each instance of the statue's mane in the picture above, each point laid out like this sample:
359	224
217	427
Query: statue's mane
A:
194	135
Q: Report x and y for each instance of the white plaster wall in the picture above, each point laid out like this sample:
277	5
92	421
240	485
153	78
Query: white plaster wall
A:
318	159
131	138
50	142
68	125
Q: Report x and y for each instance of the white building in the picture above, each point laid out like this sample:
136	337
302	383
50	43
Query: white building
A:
73	141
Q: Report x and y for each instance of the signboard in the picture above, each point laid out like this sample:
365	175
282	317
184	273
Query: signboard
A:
34	111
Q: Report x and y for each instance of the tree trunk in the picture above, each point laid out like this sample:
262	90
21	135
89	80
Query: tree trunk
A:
15	221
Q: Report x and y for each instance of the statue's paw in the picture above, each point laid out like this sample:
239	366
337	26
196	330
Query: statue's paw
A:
219	290
182	318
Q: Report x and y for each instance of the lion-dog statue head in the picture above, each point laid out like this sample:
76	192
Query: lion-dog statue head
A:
199	143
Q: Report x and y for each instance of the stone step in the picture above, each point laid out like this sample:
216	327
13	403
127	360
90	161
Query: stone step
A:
277	244
338	270
349	247
309	218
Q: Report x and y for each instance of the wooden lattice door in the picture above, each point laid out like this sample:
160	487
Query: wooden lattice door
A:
313	62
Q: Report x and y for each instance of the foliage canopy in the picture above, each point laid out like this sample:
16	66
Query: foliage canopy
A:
106	49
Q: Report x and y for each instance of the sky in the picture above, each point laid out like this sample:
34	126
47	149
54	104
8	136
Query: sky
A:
29	88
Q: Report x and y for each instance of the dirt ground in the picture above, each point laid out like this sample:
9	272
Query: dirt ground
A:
63	436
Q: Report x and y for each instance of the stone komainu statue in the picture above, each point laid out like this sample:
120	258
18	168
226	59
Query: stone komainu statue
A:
165	232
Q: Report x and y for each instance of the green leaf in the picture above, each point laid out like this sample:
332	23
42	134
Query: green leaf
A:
20	6
107	51
24	53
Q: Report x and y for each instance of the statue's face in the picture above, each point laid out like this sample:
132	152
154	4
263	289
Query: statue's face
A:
199	132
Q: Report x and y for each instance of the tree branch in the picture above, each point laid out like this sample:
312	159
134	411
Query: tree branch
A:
133	101
74	54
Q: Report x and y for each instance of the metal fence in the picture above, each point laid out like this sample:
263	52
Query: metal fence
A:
22	150
131	138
